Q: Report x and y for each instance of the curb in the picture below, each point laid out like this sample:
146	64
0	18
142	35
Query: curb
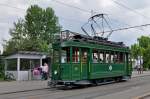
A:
142	96
22	91
140	76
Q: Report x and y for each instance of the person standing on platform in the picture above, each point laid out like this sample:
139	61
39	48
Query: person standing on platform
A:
45	71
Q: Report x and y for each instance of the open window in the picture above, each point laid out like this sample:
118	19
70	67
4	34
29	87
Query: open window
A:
65	55
112	57
121	57
75	55
118	57
95	56
101	57
84	56
107	57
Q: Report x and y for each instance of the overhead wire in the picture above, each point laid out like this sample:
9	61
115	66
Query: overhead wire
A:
120	22
67	19
6	5
125	28
130	9
83	10
68	5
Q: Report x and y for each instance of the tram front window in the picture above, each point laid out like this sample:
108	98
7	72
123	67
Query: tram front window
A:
65	55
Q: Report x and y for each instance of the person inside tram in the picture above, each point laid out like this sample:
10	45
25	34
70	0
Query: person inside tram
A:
95	60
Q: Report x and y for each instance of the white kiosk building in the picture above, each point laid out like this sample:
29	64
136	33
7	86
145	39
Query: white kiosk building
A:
20	64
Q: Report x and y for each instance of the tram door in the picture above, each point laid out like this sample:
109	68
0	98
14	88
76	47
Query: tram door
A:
84	63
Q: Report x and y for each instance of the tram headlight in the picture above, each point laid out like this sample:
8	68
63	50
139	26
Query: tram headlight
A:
55	72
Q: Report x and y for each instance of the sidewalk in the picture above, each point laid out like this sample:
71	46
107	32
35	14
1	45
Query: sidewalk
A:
17	86
20	86
145	73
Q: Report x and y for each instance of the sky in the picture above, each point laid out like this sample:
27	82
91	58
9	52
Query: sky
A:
121	13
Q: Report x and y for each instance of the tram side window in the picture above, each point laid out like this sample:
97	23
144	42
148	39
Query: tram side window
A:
75	55
84	57
107	60
95	56
101	57
65	55
119	57
112	58
116	58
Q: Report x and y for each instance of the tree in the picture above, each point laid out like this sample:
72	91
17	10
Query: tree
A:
135	51
18	34
142	50
41	23
144	41
146	57
35	32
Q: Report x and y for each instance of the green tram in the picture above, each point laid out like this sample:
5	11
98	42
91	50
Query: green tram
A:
81	60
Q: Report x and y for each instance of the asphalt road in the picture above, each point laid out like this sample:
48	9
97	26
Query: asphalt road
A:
123	90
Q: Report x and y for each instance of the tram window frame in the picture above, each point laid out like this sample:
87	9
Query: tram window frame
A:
112	57
95	56
101	57
84	56
107	57
121	57
75	55
66	55
116	59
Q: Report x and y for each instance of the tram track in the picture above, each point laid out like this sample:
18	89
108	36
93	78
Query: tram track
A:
48	92
30	93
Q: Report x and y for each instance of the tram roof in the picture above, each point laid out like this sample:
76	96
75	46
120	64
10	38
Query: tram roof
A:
78	40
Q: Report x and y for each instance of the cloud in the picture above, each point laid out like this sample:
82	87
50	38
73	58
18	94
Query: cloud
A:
73	19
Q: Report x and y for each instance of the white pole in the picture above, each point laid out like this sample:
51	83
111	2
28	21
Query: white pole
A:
41	61
18	68
6	65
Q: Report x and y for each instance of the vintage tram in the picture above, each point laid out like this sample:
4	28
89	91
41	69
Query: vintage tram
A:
82	60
